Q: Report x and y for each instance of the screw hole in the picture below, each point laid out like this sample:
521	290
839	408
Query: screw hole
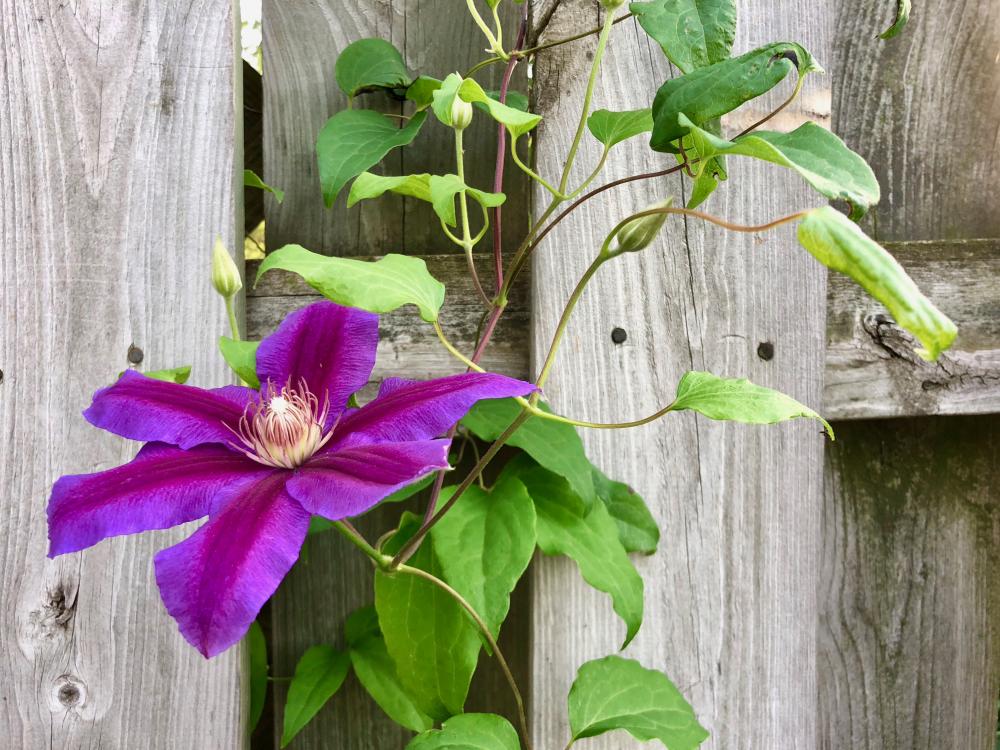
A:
765	350
619	335
135	354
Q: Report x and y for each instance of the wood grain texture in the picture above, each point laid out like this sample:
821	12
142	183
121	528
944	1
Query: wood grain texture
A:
872	369
118	147
911	592
731	601
301	43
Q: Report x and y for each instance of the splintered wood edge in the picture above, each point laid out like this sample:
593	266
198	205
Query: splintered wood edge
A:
872	369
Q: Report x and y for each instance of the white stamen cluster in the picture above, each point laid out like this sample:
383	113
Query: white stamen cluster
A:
285	427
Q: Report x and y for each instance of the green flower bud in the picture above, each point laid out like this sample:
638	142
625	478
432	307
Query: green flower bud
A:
639	233
461	113
612	4
225	274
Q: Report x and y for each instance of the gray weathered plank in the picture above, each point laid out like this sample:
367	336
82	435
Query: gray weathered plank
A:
117	169
911	593
731	595
301	42
871	367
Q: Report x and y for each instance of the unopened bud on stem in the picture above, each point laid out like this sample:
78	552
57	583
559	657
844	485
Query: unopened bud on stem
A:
461	113
639	233
225	274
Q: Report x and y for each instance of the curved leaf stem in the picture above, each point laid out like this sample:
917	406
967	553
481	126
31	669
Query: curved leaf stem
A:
534	175
467	242
602	44
494	43
567	40
354	537
234	327
484	629
411	546
482	64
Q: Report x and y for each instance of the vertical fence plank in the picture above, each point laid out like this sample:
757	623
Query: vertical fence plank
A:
731	595
911	593
117	155
301	43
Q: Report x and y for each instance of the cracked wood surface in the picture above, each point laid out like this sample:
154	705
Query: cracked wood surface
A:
731	596
118	146
910	601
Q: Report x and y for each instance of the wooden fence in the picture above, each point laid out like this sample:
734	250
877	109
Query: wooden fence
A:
801	598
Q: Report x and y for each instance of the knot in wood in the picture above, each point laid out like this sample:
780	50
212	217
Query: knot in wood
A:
69	692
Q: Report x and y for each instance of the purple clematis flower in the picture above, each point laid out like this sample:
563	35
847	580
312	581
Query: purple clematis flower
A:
259	464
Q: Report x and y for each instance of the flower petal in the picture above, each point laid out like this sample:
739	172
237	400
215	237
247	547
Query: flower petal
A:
162	487
331	348
350	481
413	410
141	408
215	581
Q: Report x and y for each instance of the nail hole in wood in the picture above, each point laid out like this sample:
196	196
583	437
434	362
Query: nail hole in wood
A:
619	335
765	350
134	354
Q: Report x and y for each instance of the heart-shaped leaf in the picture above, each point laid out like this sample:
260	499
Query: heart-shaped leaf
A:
710	92
469	732
355	140
611	128
318	676
616	693
377	286
370	65
691	33
819	156
738	400
241	356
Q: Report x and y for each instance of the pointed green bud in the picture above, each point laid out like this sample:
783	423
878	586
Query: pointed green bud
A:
461	113
639	233
225	274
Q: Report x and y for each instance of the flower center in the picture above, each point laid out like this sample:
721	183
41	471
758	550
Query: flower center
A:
285	427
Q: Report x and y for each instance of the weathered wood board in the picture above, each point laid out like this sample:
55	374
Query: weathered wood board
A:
911	587
731	596
871	370
301	43
119	140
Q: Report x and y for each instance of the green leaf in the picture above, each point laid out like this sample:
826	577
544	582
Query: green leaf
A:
377	286
241	356
637	528
469	732
515	120
838	243
616	693
370	65
590	539
438	190
432	642
376	672
355	140
360	624
710	92
421	91
257	646
611	128
318	524
738	400
318	675
370	185
820	157
902	18
515	99
173	375
251	179
554	445
484	544
444	189
692	33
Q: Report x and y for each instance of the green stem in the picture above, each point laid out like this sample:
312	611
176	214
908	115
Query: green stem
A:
352	535
533	174
467	242
494	44
233	325
411	546
484	629
602	43
564	322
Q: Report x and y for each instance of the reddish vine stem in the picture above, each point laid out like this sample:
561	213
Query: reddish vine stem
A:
497	307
